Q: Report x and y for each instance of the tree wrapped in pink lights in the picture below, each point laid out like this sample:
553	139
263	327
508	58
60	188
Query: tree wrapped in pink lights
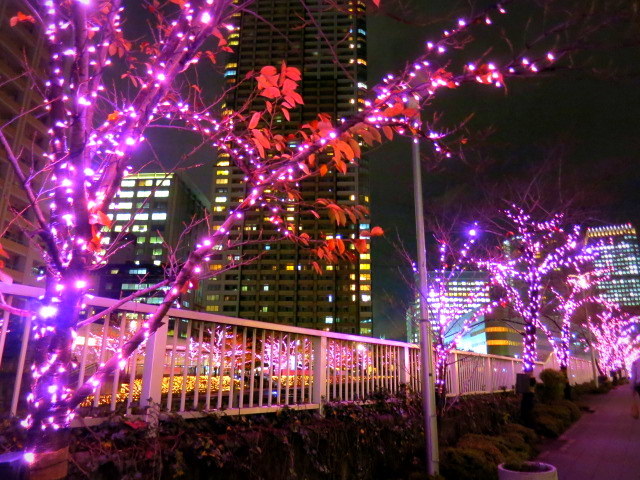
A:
95	130
451	317
530	256
615	338
571	305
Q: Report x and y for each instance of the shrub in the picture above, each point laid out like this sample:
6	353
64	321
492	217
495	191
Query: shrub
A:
520	440
466	464
548	426
553	383
486	445
573	408
482	414
528	434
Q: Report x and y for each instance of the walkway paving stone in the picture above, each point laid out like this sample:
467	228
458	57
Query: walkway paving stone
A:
604	445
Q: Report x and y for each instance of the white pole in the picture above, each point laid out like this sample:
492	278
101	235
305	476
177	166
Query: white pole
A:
426	343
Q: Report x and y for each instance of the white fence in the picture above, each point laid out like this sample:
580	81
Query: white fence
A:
203	362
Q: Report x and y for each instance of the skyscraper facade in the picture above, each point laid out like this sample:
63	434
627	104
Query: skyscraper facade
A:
328	45
464	293
155	215
27	134
157	208
618	256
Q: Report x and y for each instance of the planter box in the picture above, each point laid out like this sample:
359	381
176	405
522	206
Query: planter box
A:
548	472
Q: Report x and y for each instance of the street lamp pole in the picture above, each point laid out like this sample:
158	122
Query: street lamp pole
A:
426	343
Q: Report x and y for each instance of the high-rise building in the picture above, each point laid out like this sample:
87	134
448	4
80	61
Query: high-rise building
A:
152	211
157	208
328	45
27	135
617	254
464	293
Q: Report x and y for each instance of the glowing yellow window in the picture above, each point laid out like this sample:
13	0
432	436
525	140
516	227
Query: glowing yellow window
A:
365	266
219	209
290	267
365	277
215	266
222	181
222	172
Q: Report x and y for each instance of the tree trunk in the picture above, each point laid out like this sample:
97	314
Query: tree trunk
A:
52	462
49	416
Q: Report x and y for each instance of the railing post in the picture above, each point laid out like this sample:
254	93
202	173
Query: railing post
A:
513	374
153	371
455	379
17	386
488	375
319	345
5	326
405	367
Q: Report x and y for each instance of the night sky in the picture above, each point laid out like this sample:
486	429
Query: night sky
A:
582	124
578	129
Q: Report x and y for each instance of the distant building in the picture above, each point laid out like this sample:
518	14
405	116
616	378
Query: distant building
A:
27	136
412	319
151	211
329	47
157	208
466	291
618	255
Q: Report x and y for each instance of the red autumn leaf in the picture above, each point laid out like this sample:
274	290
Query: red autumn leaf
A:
261	138
113	117
271	92
293	73
377	232
255	118
286	114
361	245
323	170
3	252
211	56
340	165
376	3
269	70
394	110
388	132
103	219
317	268
21	17
137	424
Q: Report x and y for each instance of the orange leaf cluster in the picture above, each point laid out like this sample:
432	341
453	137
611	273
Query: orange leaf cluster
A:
487	75
343	214
20	18
3	254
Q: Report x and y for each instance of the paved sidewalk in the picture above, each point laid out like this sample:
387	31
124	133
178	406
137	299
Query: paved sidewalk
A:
604	445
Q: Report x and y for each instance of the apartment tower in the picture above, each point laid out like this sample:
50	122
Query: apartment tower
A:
157	218
27	135
327	43
618	256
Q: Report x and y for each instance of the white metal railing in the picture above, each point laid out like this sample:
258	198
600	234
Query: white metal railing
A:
201	362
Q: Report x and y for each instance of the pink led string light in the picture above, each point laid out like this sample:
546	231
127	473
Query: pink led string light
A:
523	269
89	163
445	314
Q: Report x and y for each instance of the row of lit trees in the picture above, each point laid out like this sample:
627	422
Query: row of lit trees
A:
95	129
544	272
